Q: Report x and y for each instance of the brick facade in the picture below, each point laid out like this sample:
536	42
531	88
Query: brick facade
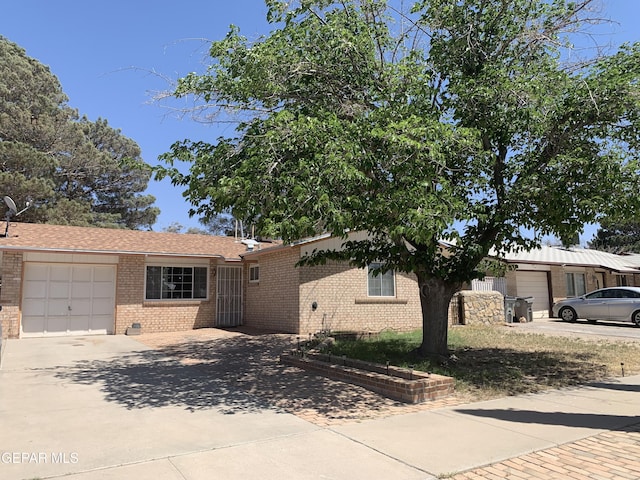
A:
158	316
284	298
272	304
340	293
10	293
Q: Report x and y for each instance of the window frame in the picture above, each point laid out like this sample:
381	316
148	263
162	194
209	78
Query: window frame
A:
254	267
572	285
380	277
165	272
621	281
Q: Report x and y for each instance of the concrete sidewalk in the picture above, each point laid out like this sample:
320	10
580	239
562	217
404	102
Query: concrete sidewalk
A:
456	439
110	408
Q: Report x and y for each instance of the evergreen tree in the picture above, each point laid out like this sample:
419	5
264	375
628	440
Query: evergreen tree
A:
72	170
617	237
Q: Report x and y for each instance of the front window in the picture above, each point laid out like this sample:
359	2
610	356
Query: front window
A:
575	284
176	283
381	284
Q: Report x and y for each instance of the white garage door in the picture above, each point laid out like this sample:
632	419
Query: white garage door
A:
63	299
534	284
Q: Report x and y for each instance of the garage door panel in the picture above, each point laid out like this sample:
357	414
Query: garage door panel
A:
102	290
80	307
102	306
59	290
35	308
59	273
34	325
78	324
58	307
101	324
55	324
81	290
36	273
82	273
103	274
35	289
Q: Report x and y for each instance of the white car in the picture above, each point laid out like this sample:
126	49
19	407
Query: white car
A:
616	303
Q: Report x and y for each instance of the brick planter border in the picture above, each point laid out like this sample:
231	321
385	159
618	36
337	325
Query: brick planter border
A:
409	386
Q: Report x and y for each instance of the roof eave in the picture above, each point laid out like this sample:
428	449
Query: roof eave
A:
115	252
537	262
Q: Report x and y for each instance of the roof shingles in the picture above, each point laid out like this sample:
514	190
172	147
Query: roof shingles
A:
63	238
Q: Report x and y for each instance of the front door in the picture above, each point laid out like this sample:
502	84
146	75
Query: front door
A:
229	297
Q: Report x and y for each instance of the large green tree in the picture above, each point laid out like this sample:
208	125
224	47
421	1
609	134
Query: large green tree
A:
458	121
74	171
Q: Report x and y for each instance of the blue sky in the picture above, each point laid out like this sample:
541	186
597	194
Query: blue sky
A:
103	53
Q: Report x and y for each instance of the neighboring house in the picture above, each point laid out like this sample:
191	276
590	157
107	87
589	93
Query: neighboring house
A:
62	280
550	274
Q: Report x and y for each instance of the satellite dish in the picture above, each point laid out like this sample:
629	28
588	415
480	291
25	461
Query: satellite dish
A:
13	210
11	205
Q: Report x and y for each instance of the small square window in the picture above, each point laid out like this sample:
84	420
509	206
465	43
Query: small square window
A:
254	273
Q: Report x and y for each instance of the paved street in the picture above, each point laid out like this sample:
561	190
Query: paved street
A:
615	331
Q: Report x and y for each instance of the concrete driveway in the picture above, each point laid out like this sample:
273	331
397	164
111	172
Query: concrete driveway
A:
110	407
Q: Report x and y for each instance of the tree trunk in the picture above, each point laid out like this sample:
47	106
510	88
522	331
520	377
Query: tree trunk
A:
435	296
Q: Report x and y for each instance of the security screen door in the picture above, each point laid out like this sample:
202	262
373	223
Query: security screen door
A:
229	297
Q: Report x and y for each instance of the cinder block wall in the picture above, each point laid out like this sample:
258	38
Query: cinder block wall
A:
158	316
10	293
272	304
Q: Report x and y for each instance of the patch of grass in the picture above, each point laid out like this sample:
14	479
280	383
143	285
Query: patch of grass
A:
494	361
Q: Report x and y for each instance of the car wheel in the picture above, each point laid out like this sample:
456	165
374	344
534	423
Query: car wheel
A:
568	314
635	318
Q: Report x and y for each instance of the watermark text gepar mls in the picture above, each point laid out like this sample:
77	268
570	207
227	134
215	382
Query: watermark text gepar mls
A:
38	457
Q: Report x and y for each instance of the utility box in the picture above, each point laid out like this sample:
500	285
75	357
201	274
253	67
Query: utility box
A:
134	329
